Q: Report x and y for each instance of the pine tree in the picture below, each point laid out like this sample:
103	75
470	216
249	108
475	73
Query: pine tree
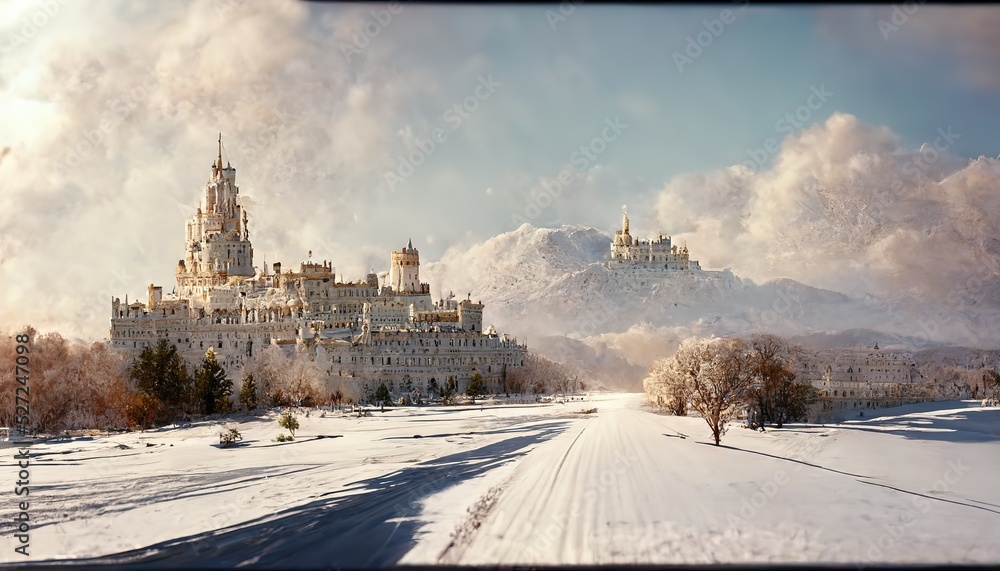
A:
449	389
476	387
160	373
382	395
211	387
248	392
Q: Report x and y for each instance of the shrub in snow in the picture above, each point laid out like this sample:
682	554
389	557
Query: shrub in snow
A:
229	436
288	421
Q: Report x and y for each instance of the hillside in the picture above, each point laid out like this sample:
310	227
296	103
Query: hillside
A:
542	282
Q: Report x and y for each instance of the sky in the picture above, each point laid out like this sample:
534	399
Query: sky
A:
756	133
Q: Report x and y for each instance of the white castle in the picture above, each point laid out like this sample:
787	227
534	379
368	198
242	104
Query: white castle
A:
393	333
657	254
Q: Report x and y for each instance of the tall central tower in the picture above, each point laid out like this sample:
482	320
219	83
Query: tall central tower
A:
404	271
217	241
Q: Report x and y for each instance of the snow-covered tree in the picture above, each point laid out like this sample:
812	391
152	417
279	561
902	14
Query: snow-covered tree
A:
539	375
719	373
666	386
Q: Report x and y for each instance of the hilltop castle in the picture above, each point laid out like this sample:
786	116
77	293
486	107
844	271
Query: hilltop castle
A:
632	253
391	333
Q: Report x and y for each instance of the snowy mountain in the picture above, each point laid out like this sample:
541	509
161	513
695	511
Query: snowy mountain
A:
544	283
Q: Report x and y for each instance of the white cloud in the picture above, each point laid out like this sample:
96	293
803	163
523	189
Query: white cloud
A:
846	208
305	126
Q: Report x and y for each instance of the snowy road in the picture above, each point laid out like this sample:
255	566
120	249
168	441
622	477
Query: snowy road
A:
546	485
630	486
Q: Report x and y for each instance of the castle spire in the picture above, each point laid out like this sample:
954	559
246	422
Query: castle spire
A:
624	219
220	152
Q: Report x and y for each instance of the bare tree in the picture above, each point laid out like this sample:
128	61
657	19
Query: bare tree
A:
723	377
776	395
304	378
539	374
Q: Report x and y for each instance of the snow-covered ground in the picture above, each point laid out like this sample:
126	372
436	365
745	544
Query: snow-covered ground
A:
523	484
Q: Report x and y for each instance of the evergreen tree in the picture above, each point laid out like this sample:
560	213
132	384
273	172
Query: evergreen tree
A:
160	373
211	387
476	387
449	389
248	392
382	395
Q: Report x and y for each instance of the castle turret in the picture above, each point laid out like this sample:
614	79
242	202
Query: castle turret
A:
470	315
154	296
404	271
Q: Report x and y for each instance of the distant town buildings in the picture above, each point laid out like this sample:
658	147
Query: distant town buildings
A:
371	332
860	378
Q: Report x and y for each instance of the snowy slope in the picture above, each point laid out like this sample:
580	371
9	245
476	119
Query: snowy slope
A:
541	282
526	484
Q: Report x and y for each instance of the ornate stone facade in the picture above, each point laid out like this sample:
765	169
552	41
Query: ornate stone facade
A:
363	330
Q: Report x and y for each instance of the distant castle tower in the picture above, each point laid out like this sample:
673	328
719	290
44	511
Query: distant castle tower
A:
622	237
658	254
404	271
217	240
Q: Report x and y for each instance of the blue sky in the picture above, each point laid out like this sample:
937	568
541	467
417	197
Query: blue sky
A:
314	130
559	85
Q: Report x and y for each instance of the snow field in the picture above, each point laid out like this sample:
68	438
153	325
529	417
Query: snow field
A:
526	484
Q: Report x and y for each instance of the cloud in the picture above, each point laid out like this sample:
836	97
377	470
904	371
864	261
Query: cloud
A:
109	129
845	207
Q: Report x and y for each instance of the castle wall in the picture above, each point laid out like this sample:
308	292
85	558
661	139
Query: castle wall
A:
417	357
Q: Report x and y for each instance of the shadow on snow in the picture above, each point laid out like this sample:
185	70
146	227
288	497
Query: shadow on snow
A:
373	524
